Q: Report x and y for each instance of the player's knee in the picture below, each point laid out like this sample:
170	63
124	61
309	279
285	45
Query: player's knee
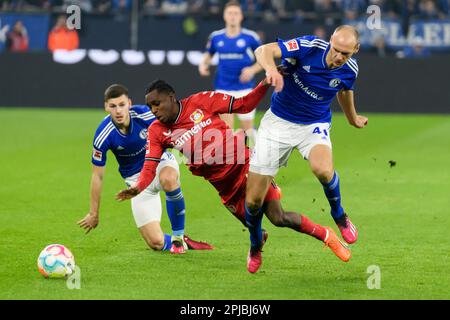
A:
169	180
254	203
155	242
322	172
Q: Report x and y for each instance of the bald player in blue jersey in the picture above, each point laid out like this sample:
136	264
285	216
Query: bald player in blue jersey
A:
124	133
237	66
300	118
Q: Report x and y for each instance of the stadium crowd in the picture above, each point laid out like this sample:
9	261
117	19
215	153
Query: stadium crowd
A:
422	9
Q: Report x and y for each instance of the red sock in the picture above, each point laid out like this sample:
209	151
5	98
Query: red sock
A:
314	230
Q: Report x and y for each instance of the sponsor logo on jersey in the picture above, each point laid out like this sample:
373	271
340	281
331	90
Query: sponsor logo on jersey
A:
306	89
143	134
120	148
241	43
307	68
168	133
186	136
197	116
335	82
291	45
231	56
220	43
97	155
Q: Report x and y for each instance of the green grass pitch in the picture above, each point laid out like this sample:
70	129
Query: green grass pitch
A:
402	212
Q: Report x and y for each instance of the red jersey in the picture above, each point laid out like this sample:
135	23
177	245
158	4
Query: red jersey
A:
212	150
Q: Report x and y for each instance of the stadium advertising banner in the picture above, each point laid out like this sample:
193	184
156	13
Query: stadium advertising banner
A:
430	34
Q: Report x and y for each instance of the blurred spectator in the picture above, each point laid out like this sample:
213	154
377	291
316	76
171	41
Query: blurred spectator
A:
214	6
380	46
102	6
416	50
254	6
196	6
444	7
121	5
17	39
85	5
327	11
61	37
409	9
174	6
151	6
428	10
354	8
321	33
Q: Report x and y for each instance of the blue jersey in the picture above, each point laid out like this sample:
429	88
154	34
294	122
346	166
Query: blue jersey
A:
310	86
234	55
128	149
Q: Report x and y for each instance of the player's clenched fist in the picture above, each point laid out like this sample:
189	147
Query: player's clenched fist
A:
360	122
275	79
127	194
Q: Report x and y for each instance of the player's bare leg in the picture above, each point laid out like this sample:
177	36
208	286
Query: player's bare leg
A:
153	235
301	223
257	186
321	162
248	126
229	119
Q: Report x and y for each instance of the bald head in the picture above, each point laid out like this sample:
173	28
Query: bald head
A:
344	43
346	34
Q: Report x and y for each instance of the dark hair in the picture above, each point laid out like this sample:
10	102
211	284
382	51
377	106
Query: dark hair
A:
115	91
161	86
232	3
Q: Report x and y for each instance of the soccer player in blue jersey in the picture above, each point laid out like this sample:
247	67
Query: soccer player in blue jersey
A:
237	67
300	118
124	132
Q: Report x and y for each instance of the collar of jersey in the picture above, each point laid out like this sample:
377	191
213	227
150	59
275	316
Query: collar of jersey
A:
130	129
324	61
180	105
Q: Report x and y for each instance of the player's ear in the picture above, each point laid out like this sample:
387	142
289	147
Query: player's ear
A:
130	103
106	106
357	48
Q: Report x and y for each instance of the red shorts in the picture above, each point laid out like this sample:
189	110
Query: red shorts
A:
231	188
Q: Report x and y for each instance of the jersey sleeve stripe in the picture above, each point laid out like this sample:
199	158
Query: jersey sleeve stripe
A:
353	68
103	133
216	33
99	144
251	33
353	64
308	44
230	107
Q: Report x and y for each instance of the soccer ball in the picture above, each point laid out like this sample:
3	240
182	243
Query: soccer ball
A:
55	261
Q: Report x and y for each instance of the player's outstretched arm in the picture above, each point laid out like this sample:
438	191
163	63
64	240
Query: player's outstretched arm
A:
248	73
90	221
347	103
203	67
265	56
127	194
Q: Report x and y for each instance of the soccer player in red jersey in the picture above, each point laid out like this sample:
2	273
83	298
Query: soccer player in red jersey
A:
194	127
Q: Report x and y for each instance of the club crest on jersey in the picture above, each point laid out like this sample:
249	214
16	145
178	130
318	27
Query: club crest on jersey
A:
197	116
291	45
97	155
143	134
335	82
241	43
